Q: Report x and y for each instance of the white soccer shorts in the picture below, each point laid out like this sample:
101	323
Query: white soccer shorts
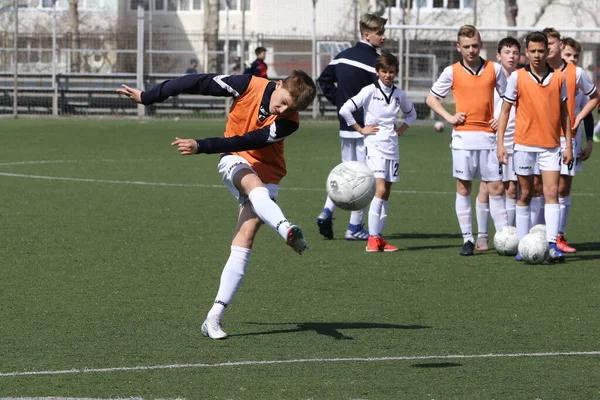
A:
353	149
472	164
229	166
568	169
532	162
384	168
508	171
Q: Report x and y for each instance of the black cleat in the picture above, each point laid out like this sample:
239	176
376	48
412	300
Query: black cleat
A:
467	249
325	224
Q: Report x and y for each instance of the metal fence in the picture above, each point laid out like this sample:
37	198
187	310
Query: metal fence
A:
80	76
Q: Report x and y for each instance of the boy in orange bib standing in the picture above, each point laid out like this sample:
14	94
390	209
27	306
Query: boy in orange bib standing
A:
540	94
472	82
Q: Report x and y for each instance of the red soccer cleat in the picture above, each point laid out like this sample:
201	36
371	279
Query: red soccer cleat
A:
373	245
384	246
561	243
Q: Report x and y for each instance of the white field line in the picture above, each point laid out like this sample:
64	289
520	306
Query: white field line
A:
109	181
201	185
298	361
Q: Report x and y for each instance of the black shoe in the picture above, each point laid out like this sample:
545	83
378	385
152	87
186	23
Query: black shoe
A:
325	224
467	249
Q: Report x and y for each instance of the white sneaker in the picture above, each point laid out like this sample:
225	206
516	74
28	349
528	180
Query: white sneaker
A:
212	328
295	239
482	243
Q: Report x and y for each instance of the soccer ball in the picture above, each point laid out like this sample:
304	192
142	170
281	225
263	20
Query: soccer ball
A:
351	185
506	241
438	126
539	229
533	248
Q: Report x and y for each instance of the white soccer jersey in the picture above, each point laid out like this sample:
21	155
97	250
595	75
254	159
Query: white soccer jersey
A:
509	134
381	105
584	83
580	102
468	140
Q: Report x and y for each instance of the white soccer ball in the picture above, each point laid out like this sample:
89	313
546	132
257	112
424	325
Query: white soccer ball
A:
438	126
539	229
506	241
351	185
533	248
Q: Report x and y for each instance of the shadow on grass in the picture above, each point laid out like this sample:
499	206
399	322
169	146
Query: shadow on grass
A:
588	246
331	329
436	365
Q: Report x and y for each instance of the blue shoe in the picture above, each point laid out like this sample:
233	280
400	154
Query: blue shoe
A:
554	254
518	257
325	224
356	232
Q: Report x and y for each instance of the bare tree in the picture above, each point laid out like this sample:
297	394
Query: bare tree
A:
211	33
74	35
511	10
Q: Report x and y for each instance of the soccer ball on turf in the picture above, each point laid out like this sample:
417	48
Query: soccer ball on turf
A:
533	248
506	241
351	185
438	126
539	229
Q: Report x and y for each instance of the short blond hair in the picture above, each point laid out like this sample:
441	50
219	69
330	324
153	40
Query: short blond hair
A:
371	23
551	33
468	31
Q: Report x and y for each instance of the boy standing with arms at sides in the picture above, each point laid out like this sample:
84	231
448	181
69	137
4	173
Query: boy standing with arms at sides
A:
472	81
344	77
541	95
263	114
576	79
381	102
508	55
571	51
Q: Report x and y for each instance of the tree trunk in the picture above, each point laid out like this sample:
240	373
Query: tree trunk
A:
75	40
511	10
211	34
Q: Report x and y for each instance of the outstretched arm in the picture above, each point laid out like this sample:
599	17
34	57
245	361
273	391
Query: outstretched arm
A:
207	84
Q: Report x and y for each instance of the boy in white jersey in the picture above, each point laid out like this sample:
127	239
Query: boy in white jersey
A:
508	55
541	95
577	80
381	102
472	82
571	49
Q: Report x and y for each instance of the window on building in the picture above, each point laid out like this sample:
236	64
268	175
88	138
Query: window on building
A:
453	4
234	5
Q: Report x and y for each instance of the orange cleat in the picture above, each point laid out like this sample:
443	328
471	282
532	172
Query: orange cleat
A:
561	243
373	245
384	246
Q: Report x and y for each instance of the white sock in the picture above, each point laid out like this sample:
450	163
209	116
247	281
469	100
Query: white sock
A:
535	210
374	216
482	212
463	213
383	216
356	217
231	278
330	205
523	219
565	209
563	219
268	211
498	211
510	210
552	212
